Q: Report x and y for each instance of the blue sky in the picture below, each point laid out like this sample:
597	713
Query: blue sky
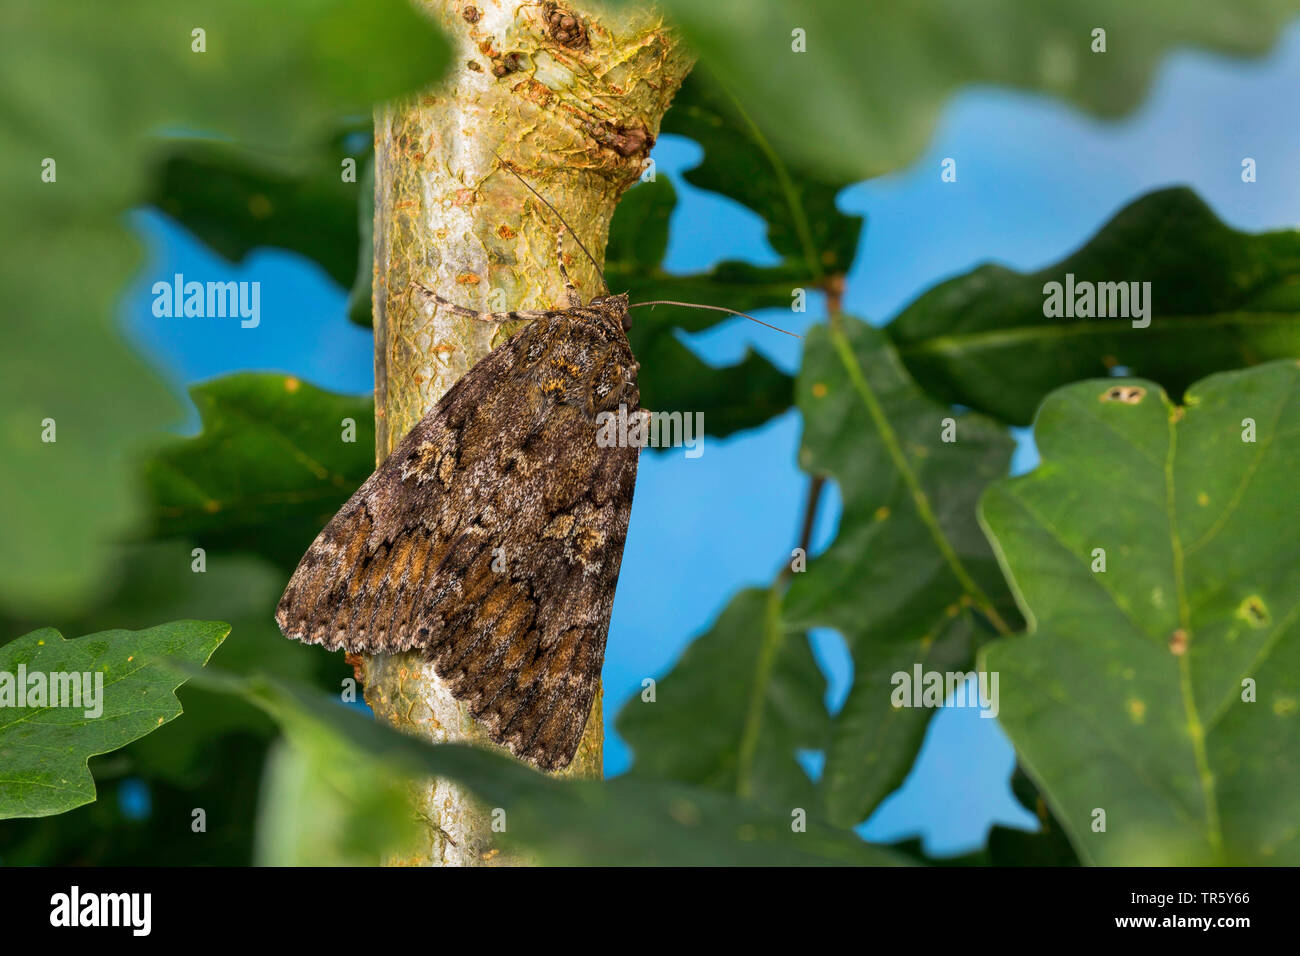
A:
1035	180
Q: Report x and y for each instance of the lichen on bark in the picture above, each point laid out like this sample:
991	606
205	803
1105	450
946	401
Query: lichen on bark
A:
571	95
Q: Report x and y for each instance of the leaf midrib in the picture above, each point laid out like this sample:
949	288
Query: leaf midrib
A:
773	636
986	339
798	216
920	500
1213	830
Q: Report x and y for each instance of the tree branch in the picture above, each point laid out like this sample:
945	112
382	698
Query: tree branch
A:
572	96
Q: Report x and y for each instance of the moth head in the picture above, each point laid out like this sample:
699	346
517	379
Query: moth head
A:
615	305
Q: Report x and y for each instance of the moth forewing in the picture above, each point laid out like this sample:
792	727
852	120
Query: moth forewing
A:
491	538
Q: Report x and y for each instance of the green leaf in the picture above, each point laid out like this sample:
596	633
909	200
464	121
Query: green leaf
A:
236	201
269	469
1129	693
214	757
672	377
113	78
797	203
865	96
624	821
310	814
44	749
735	709
1009	846
910	578
815	241
1046	846
103	833
1219	299
732	398
158	582
65	499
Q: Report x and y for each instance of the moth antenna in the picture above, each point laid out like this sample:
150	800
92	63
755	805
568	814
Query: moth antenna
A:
594	263
716	308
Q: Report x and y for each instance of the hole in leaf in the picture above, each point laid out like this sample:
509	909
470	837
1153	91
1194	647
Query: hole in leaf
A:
1128	394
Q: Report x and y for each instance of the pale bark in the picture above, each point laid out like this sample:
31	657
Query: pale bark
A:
574	110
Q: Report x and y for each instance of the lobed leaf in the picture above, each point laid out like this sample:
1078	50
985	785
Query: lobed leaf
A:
909	579
732	398
111	78
620	822
1218	299
864	94
269	469
1152	552
44	750
734	711
236	201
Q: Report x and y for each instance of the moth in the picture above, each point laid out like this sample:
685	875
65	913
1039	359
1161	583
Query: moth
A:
491	538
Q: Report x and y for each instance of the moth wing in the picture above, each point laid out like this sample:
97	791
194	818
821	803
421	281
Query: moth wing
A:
491	538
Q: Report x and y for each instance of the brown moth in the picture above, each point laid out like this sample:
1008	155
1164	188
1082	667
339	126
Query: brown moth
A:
491	537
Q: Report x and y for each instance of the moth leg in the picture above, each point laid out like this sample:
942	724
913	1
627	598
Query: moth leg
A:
511	316
575	300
